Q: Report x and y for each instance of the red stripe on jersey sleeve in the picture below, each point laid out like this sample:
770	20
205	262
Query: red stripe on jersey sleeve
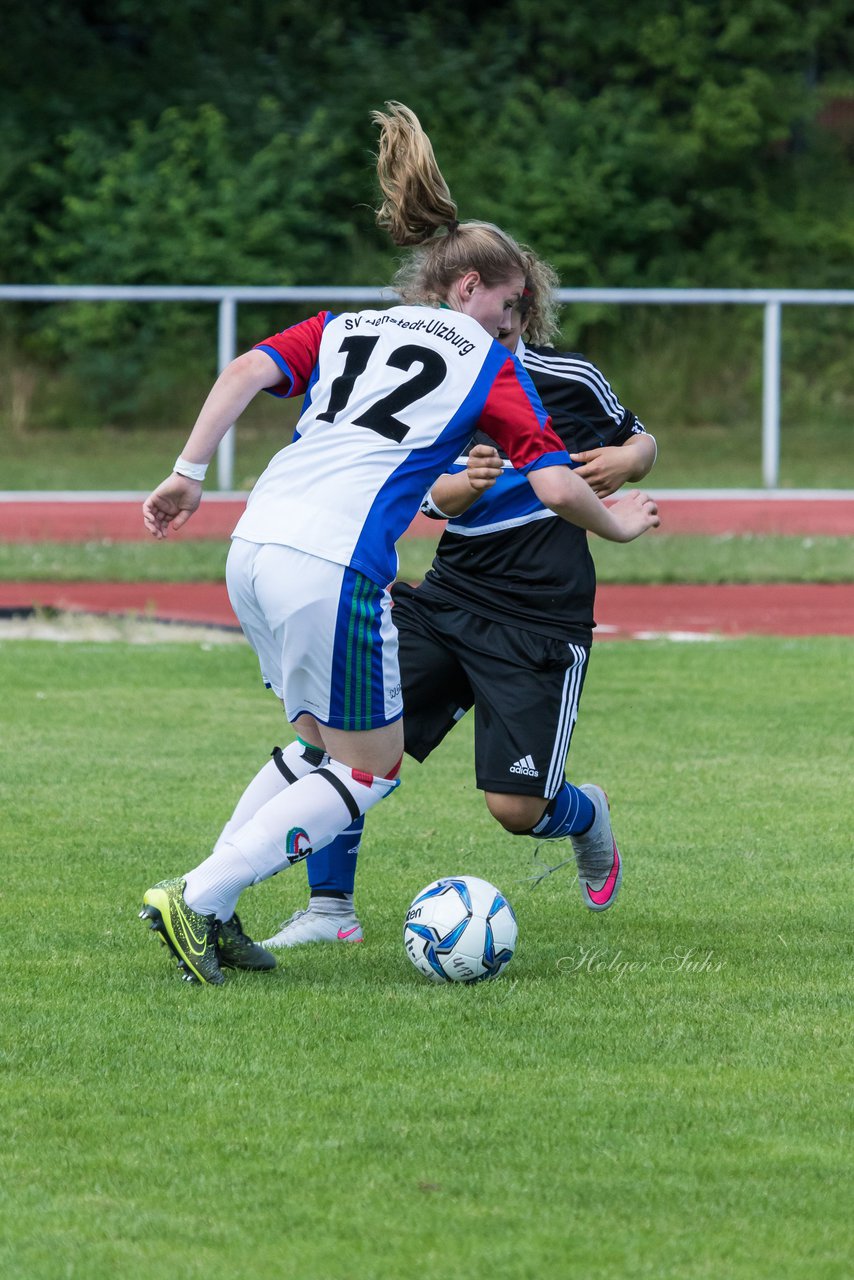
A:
298	348
518	424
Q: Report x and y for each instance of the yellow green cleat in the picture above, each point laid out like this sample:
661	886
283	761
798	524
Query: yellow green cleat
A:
191	937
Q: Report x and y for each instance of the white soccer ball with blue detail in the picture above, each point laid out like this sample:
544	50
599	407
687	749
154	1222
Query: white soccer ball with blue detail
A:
460	929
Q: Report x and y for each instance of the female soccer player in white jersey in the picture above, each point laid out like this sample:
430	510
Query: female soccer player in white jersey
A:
391	397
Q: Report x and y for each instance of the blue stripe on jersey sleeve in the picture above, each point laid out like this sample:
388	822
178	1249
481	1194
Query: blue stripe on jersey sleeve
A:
287	372
557	459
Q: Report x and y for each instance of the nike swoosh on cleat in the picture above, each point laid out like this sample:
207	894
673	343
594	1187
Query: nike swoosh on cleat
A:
198	945
602	895
343	934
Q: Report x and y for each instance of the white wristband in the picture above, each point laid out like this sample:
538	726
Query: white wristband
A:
429	508
192	470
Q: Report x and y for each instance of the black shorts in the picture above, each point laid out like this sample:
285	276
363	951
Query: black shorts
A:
525	689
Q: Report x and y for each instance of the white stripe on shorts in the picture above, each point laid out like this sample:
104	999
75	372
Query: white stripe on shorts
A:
566	722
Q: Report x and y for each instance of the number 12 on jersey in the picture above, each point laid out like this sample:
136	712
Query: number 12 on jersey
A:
381	415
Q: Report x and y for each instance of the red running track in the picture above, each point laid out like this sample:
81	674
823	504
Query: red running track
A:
73	520
622	611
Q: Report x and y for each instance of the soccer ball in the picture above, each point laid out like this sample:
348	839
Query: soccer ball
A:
460	929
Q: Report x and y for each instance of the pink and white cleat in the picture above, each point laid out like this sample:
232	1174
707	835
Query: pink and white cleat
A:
316	925
600	868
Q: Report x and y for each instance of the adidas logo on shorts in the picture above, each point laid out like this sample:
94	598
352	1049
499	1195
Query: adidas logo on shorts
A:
525	767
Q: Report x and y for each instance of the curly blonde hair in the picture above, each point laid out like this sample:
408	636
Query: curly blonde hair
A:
417	205
539	305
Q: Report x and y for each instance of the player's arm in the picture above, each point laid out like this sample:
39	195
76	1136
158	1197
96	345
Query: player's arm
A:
513	416
283	364
607	469
174	501
237	385
565	493
454	492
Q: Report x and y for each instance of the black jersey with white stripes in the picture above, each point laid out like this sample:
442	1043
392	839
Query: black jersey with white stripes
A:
511	559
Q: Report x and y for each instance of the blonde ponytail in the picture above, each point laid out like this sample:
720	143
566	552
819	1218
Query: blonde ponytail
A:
416	201
417	204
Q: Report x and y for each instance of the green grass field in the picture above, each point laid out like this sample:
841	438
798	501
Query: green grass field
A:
658	557
657	1092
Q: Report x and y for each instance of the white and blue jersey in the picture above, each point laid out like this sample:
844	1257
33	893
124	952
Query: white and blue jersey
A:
391	398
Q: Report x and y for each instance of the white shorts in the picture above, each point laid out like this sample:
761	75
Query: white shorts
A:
323	634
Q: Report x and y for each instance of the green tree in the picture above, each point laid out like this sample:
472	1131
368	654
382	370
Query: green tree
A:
677	142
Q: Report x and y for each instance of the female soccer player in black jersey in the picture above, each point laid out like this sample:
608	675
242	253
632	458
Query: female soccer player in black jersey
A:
503	624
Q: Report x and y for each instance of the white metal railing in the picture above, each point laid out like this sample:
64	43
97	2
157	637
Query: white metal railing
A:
227	298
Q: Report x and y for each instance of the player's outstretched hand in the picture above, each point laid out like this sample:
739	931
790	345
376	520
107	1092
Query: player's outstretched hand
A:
483	467
171	504
635	514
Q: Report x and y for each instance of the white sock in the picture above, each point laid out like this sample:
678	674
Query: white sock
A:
290	826
216	884
295	761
